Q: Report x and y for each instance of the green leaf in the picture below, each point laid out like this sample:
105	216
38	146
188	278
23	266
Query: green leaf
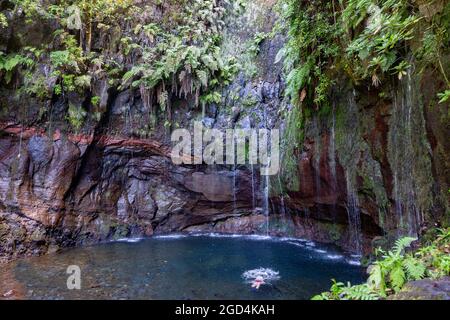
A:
402	243
203	77
209	62
376	279
444	96
397	277
415	268
83	82
74	18
11	63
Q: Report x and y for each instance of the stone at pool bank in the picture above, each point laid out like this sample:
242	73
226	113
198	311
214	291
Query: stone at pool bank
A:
425	290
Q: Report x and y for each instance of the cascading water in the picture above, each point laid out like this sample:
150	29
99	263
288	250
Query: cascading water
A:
402	159
266	196
20	142
349	157
317	157
234	178
354	215
253	186
267	179
234	189
332	155
282	205
306	213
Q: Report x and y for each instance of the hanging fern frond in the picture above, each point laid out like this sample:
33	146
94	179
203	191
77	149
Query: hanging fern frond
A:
401	244
414	268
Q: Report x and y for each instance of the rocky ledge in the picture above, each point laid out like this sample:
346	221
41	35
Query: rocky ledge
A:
64	190
425	290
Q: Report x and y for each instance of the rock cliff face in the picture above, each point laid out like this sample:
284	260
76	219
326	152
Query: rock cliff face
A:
370	168
66	190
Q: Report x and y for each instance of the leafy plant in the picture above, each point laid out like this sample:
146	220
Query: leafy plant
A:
341	291
310	48
378	48
3	20
76	116
186	61
255	44
368	39
9	63
394	268
444	96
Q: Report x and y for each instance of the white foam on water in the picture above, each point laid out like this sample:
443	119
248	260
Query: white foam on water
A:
335	256
354	262
170	236
296	244
221	235
129	240
286	239
258	237
320	251
310	244
198	234
266	274
212	235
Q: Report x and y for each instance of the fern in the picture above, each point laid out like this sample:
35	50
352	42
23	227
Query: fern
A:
444	96
377	279
414	268
401	244
9	63
3	20
397	277
390	273
359	292
76	116
210	63
340	291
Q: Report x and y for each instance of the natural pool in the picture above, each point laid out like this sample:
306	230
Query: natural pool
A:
184	267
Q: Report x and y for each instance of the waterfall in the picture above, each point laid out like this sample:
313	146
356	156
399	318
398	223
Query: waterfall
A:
234	172
282	205
306	212
349	156
354	215
20	141
332	156
403	158
253	186
317	157
234	188
266	196
267	179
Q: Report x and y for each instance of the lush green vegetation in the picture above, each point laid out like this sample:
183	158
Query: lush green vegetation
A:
390	272
68	50
186	59
371	40
172	49
373	44
166	49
